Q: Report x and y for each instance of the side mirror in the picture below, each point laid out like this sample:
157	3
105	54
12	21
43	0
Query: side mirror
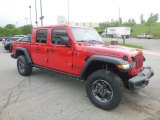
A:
65	41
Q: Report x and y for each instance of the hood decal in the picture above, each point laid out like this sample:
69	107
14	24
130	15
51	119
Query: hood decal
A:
113	54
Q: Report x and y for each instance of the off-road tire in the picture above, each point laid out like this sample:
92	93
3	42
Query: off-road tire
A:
24	68
113	81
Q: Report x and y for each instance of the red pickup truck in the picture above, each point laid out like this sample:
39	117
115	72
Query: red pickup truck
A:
80	53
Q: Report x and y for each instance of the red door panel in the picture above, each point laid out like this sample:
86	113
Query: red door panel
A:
60	58
39	47
39	54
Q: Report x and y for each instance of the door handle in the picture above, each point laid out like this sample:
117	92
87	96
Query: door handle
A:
51	50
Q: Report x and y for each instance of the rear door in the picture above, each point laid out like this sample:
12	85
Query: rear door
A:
60	55
39	47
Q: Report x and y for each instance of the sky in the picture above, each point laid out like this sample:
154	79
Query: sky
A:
15	11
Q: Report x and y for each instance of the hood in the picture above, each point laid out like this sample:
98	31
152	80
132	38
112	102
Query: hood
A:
108	50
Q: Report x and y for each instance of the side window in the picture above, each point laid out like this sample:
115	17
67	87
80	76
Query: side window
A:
26	39
41	36
59	37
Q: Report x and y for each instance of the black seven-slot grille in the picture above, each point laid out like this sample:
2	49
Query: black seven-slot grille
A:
139	60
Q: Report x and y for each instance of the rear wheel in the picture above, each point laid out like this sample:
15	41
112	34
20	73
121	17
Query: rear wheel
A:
24	68
104	89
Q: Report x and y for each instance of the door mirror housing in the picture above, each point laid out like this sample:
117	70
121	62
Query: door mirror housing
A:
65	41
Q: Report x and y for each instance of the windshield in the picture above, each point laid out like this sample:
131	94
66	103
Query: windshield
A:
85	34
15	39
8	40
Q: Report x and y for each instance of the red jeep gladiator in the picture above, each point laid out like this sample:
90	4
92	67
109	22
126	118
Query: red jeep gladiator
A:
80	53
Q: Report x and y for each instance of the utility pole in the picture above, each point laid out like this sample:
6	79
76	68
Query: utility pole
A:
30	14
42	17
68	12
119	15
36	12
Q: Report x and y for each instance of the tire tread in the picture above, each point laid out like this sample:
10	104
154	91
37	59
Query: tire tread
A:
113	79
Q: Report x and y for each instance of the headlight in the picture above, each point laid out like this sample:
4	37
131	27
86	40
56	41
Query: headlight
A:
125	67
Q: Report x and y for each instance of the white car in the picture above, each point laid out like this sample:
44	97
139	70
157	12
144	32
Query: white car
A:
144	36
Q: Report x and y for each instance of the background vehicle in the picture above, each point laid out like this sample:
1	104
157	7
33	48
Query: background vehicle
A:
7	44
20	35
23	39
4	40
144	36
80	53
117	32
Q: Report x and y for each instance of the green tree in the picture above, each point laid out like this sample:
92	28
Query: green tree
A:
26	29
10	26
153	18
104	25
130	22
6	32
114	23
142	19
15	31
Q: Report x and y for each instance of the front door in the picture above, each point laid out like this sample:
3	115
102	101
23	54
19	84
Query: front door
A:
39	48
60	55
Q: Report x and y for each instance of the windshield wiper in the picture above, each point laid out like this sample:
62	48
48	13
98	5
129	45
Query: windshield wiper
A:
95	41
81	41
90	41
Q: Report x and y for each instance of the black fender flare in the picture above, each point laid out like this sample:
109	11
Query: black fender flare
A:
26	53
111	60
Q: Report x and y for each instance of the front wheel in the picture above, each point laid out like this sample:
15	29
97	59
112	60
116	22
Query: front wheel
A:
24	68
104	89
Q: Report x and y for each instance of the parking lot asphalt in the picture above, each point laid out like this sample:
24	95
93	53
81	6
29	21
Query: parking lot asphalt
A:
49	96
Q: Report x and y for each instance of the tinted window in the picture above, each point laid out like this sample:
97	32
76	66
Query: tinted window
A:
8	40
26	39
15	38
12	39
58	36
41	36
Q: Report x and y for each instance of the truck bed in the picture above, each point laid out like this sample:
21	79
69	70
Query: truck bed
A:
17	44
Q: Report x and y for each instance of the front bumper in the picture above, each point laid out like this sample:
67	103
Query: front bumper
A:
141	79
